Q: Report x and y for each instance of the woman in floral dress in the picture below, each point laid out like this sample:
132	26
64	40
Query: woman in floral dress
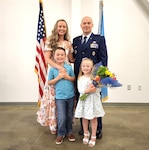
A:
59	37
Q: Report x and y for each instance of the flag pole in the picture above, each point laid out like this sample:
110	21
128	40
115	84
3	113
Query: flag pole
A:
104	90
40	66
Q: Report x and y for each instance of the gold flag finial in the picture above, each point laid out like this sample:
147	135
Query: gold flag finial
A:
101	3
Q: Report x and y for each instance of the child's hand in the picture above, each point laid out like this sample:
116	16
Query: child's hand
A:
61	75
66	76
90	89
91	85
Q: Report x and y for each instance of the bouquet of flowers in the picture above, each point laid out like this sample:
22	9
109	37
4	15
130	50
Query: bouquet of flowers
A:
102	77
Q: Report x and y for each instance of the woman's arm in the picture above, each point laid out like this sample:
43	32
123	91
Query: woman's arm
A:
71	58
70	54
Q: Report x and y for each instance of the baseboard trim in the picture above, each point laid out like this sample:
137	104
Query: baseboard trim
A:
126	104
104	104
18	103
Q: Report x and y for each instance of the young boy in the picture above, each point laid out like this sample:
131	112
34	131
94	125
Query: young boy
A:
64	95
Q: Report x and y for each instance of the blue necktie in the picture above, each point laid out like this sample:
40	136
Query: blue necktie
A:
84	40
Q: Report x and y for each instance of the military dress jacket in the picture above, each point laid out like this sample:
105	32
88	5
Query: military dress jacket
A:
95	49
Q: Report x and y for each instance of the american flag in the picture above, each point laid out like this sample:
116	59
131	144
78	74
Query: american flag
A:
40	66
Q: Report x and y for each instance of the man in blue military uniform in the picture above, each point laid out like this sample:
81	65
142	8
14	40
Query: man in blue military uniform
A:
92	46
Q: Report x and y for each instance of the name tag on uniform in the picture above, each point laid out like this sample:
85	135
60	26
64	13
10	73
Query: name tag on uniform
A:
94	45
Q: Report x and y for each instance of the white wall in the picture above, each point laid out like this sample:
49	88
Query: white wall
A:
127	34
126	31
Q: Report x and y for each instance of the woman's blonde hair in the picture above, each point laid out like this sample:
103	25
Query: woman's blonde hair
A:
80	71
53	38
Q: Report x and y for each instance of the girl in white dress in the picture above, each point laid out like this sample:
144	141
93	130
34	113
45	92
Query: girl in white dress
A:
91	108
59	37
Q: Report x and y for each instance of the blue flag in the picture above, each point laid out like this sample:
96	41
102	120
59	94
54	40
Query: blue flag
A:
104	90
102	24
